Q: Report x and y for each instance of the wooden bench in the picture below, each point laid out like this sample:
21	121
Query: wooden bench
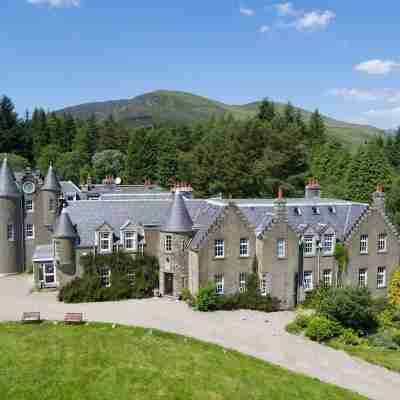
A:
73	318
29	317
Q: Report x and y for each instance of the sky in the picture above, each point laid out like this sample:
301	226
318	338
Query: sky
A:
341	56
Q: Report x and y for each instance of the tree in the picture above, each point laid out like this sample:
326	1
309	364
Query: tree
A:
17	163
85	140
49	155
68	166
112	136
108	163
316	128
266	111
9	127
168	159
394	288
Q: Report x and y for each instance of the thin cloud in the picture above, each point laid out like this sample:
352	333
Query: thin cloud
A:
315	20
248	12
377	67
56	3
390	96
286	9
386	117
264	29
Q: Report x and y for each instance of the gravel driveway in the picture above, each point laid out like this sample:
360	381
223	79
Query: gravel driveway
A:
254	333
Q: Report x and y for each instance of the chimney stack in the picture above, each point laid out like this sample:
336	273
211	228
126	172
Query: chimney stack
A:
313	189
280	208
378	198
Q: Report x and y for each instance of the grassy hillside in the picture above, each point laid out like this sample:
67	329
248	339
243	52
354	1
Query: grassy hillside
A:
186	107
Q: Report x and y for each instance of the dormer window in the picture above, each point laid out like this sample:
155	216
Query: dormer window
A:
297	211
332	209
316	210
168	243
105	241
328	241
130	240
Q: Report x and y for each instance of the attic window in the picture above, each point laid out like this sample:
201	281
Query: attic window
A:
332	209
316	211
297	211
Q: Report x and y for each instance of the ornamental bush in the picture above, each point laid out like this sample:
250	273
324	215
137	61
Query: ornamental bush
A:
206	298
351	307
88	288
394	288
299	324
321	328
350	338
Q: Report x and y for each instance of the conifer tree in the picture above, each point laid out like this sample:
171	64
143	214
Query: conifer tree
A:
267	110
316	128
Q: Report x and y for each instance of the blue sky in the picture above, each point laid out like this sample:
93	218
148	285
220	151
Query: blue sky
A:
340	56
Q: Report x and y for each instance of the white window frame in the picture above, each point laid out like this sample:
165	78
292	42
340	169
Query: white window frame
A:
327	277
10	232
105	237
381	278
130	239
382	242
30	233
31	207
328	243
364	244
219	248
242	282
219	283
244	247
265	284
168	243
309	240
308	283
105	277
281	248
363	277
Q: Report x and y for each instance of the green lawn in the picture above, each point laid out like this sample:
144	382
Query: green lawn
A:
39	362
386	358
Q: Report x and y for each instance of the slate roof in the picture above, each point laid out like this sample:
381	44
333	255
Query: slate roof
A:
51	182
64	228
68	187
43	253
89	215
179	219
8	187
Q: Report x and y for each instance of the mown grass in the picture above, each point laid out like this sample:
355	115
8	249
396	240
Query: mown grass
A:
389	359
47	361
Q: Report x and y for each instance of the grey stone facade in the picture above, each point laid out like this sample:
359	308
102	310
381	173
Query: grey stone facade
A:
288	242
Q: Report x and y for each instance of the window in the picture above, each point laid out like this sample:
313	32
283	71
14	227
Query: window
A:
327	277
308	280
297	211
327	243
30	231
315	210
131	277
52	204
219	248
309	245
242	282
364	244
332	209
281	248
382	242
362	277
10	232
381	278
105	277
130	240
29	205
244	248
105	241
168	243
219	283
264	285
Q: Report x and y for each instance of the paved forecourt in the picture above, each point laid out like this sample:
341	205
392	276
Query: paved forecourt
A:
254	333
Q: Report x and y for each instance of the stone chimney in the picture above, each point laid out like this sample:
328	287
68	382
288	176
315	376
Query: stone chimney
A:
183	188
313	189
280	208
378	198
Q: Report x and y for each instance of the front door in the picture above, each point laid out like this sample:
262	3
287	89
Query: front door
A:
47	275
168	284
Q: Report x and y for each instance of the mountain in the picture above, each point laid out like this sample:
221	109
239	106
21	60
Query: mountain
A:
184	107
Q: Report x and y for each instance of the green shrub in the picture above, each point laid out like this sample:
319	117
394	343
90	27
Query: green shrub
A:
386	338
349	337
314	297
206	298
321	328
396	337
299	324
351	307
394	288
88	288
186	296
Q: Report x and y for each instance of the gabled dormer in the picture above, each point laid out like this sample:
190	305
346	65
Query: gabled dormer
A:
131	236
104	238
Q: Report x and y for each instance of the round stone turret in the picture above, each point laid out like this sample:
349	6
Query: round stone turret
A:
50	193
11	241
179	220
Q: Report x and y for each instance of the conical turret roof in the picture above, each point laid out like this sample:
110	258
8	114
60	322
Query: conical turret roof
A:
51	182
8	187
179	220
64	228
